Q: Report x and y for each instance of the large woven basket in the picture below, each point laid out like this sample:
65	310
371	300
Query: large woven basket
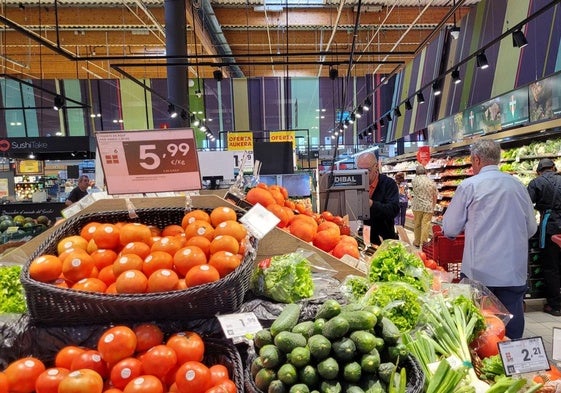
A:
223	352
51	305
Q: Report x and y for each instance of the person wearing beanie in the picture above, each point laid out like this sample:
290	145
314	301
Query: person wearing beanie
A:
545	192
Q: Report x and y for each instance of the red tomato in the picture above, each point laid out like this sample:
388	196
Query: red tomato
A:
218	373
487	345
117	343
4	387
23	373
192	377
217	389
124	371
187	346
495	325
148	335
158	360
81	381
112	390
66	355
144	384
229	385
423	256
48	380
90	359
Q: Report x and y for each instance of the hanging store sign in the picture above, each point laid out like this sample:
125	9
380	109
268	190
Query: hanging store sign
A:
283	136
149	161
240	141
423	155
44	144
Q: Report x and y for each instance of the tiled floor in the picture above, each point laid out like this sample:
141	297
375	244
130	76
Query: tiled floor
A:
541	324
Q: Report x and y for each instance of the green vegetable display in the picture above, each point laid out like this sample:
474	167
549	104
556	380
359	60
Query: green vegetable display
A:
12	298
392	262
283	278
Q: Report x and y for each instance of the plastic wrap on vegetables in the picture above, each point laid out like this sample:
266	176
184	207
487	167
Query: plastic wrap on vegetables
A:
284	278
355	287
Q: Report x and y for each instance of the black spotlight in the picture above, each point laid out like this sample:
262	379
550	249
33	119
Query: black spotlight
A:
436	88
382	123
397	112
184	115
389	117
172	112
420	97
217	75
519	39
58	102
370	130
367	104
333	73
481	61
456	76
408	105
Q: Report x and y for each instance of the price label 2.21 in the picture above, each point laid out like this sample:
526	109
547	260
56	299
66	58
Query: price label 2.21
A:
159	156
524	355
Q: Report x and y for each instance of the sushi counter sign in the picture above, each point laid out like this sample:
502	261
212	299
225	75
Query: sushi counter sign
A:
149	161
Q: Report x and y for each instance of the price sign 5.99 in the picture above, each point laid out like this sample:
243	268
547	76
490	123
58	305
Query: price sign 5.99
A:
149	161
150	157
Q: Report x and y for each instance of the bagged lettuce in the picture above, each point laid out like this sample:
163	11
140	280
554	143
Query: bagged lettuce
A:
284	278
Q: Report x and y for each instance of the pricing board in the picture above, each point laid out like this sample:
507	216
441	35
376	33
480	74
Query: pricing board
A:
523	355
149	161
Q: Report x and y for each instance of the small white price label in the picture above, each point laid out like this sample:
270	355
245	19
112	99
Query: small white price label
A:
259	221
240	324
525	355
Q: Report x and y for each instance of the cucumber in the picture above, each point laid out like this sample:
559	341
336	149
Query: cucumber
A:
286	341
359	320
331	387
299	388
370	362
262	338
320	346
270	356
335	328
305	328
328	368
352	372
390	332
264	378
344	349
287	374
354	389
277	386
256	365
329	309
309	375
364	341
386	370
287	319
299	357
318	325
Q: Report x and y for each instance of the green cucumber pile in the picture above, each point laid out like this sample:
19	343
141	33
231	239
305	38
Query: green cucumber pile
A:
346	348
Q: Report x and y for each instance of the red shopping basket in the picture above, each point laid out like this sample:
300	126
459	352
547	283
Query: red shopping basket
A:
446	252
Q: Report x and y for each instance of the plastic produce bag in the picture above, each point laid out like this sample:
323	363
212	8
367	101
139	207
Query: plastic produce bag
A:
486	301
291	277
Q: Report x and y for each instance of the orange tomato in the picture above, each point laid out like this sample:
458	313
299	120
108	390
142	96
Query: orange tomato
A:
187	345
218	373
45	268
220	214
192	377
188	257
4	387
193	216
224	243
201	274
200	241
229	386
117	343
135	232
77	266
169	244
81	381
260	195
139	248
157	260
66	355
23	373
162	280
103	257
127	262
144	384
91	360
48	380
106	236
90	284
73	241
148	335
225	262
131	281
199	228
158	360
232	228
124	371
88	230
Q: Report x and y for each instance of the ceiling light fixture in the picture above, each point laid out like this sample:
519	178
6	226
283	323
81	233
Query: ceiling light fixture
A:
456	76
217	75
420	97
58	102
184	115
352	118
172	112
436	88
194	121
370	130
367	104
333	73
408	105
455	32
382	123
396	111
481	61
519	39
389	117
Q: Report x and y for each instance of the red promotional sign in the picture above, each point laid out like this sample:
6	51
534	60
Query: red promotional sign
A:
423	155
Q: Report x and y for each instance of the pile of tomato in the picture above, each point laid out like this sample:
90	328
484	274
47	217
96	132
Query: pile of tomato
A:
125	360
137	258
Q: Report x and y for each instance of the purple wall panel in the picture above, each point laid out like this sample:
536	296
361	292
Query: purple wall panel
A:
271	103
255	106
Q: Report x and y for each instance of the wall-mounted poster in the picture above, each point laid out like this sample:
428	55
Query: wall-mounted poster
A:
483	118
441	131
541	99
556	95
514	107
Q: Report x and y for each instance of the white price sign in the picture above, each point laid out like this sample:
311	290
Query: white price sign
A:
525	355
240	324
259	221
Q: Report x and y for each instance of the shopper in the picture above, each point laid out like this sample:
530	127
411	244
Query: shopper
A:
422	203
384	200
545	192
495	212
403	188
80	191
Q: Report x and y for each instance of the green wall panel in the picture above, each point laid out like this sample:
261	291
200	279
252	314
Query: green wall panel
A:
76	124
134	104
241	104
305	105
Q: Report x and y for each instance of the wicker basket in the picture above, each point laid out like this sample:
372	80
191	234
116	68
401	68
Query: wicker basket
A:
51	305
415	375
223	352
